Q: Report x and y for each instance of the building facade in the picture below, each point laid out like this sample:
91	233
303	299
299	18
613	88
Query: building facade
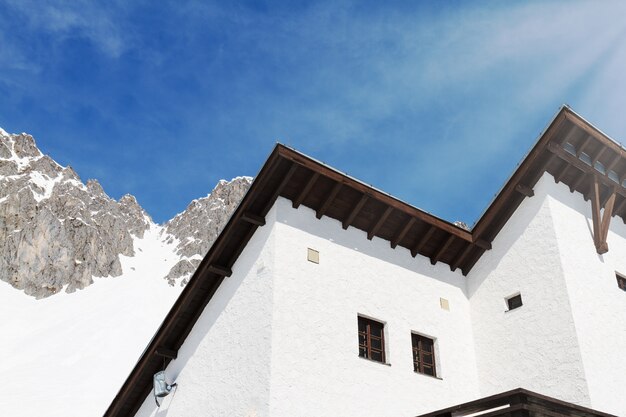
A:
326	297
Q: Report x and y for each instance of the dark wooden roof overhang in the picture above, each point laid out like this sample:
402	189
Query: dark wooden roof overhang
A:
576	154
518	403
570	149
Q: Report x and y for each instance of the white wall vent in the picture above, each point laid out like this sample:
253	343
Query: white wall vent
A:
313	256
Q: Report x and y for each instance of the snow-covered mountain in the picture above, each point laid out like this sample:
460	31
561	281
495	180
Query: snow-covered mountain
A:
85	280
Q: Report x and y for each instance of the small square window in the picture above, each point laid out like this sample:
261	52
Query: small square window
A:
514	302
371	339
621	282
423	354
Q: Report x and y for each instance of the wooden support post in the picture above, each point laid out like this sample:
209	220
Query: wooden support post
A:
398	238
333	193
379	223
355	211
595	212
601	220
305	191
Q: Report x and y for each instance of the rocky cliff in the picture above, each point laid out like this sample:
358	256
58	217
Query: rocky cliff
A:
57	232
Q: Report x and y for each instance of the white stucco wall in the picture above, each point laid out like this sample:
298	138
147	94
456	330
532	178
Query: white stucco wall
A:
279	338
223	368
316	370
536	346
598	304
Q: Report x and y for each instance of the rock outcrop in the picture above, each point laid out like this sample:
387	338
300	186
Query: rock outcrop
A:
58	233
196	228
55	231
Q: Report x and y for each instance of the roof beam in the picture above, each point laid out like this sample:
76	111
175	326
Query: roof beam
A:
379	223
286	178
524	190
329	199
619	207
442	250
561	173
561	153
577	181
166	353
220	270
375	194
483	244
460	257
598	155
398	238
613	162
582	147
355	211
253	219
416	249
305	191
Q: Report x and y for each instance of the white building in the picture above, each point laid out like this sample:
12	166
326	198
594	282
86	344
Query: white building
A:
326	297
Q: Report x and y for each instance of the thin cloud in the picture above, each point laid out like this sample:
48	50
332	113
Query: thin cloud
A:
77	19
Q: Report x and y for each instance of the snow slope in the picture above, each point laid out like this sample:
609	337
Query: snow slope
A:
68	355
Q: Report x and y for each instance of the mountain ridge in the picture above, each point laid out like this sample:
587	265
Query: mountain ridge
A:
59	233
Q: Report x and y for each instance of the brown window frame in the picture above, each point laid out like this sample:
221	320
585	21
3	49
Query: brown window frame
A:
621	281
371	331
420	353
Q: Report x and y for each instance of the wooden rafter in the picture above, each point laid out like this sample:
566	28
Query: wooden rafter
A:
286	178
582	147
559	176
601	152
166	353
329	199
305	191
355	210
253	219
398	238
601	220
581	176
561	153
379	223
460	257
437	256
220	270
613	162
425	238
524	190
620	207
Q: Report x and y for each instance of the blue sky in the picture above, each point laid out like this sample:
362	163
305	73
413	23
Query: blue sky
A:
433	102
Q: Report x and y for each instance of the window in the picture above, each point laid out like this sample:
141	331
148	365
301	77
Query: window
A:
423	354
371	340
514	302
621	282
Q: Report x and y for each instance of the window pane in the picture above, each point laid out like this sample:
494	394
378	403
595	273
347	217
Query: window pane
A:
371	339
377	356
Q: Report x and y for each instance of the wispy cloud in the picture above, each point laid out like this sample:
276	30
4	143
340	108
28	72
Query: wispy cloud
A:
63	19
